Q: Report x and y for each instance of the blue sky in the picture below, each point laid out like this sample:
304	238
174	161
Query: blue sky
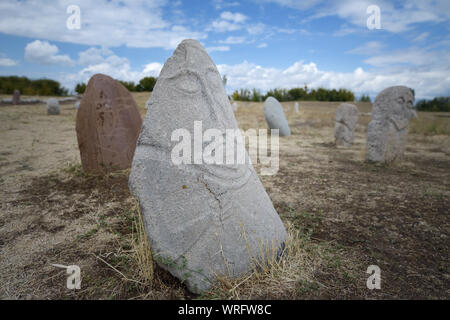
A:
256	43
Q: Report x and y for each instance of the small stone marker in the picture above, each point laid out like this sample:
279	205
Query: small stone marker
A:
275	118
77	105
53	106
202	220
296	107
108	125
16	97
346	120
388	129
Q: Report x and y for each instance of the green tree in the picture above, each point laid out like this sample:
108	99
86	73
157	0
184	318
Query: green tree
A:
146	84
129	85
80	88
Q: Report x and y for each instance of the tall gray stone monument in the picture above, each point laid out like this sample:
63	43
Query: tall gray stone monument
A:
275	118
388	129
202	220
53	106
346	120
16	97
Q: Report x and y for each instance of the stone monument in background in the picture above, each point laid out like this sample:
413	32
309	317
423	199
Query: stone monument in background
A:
388	129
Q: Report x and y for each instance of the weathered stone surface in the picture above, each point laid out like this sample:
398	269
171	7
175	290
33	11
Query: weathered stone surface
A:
16	97
202	220
275	118
108	125
346	120
52	106
388	129
235	106
296	107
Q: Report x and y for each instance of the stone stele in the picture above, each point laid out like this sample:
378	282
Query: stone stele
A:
16	97
52	106
388	128
275	118
202	220
108	125
346	120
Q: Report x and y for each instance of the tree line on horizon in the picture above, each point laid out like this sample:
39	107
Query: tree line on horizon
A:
296	94
145	84
49	87
39	87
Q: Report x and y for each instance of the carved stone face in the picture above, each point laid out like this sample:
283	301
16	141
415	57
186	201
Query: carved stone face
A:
396	103
195	79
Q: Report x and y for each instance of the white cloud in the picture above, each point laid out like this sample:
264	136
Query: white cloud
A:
222	4
421	37
101	60
410	56
93	56
262	45
427	82
218	48
233	40
135	23
6	62
152	69
42	52
395	17
235	17
229	21
296	4
255	29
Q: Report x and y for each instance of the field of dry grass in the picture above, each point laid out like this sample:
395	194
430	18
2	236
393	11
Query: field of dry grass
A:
342	214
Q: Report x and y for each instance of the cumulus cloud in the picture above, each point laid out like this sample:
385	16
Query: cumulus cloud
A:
427	82
6	62
136	23
229	21
396	17
233	40
93	56
42	52
103	60
410	56
217	48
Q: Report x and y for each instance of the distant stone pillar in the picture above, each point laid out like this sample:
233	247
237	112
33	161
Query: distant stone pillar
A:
16	97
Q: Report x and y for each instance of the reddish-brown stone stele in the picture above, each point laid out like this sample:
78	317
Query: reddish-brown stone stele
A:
108	126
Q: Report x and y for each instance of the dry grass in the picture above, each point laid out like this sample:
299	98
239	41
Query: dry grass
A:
431	124
277	278
341	214
141	248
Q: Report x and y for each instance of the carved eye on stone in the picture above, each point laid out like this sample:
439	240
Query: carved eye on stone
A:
410	104
401	100
187	83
